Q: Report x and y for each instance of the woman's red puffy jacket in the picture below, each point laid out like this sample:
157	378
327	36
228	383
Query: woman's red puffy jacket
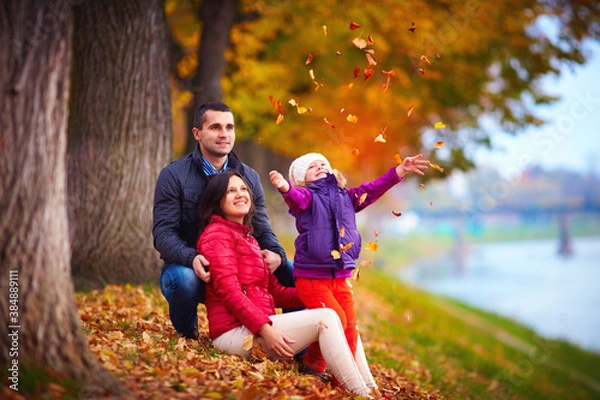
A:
241	290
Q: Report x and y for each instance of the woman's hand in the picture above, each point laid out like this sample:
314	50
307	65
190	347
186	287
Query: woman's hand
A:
412	164
276	341
279	181
200	264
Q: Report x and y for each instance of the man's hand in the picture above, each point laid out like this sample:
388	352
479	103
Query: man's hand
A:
276	341
200	266
279	181
272	260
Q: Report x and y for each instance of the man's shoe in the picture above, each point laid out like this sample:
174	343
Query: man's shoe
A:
193	334
303	369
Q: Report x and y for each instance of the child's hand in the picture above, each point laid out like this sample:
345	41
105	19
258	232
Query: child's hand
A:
279	181
412	164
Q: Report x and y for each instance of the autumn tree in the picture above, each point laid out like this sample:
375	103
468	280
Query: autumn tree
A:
119	139
40	333
397	68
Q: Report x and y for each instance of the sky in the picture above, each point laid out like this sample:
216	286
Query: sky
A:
571	138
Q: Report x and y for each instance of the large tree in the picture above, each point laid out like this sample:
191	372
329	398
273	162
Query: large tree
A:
40	331
119	138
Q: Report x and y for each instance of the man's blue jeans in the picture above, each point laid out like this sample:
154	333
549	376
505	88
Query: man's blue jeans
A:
184	291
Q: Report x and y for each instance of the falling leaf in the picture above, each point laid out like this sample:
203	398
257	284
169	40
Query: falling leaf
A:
431	203
365	263
422	185
435	166
421	71
376	233
348	87
370	59
335	254
368	72
311	73
372	246
379	138
145	337
396	213
356	276
346	247
356	71
360	43
412	28
352	118
293	102
248	340
329	123
437	55
370	41
309	59
439	144
342	231
339	53
397	159
355	151
280	118
362	198
439	125
324	27
354	25
423	58
410	110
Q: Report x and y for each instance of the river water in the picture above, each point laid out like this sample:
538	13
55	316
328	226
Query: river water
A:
558	297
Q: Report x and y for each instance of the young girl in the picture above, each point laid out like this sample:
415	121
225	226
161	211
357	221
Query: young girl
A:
242	295
328	242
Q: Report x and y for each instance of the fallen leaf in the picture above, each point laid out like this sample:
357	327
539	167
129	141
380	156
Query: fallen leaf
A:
247	344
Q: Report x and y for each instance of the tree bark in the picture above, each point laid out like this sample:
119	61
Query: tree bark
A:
40	331
120	138
217	18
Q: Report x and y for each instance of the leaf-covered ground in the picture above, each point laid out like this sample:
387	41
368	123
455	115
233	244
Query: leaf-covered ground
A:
130	332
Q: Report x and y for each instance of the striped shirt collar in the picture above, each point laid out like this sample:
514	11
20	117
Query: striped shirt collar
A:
209	169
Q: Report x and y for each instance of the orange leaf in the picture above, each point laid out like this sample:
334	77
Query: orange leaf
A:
439	144
324	27
311	73
355	151
422	186
356	71
354	25
279	119
365	263
370	59
352	118
397	159
335	254
348	87
309	59
421	71
369	72
376	233
370	41
412	27
346	247
423	58
342	231
372	246
362	198
435	166
396	213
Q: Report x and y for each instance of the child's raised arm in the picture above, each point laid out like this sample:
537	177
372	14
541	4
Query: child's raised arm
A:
412	164
279	181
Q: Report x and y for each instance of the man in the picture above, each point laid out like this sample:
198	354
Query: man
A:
177	196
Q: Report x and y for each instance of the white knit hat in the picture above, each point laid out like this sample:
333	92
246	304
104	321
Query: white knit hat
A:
300	165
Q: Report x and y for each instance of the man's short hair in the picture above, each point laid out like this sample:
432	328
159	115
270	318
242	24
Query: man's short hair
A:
211	105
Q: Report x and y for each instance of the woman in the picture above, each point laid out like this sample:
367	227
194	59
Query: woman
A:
242	295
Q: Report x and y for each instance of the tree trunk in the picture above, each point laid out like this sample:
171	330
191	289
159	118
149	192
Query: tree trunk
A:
40	332
217	17
120	138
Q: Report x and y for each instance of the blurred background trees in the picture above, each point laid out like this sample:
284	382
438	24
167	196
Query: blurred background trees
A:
439	61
